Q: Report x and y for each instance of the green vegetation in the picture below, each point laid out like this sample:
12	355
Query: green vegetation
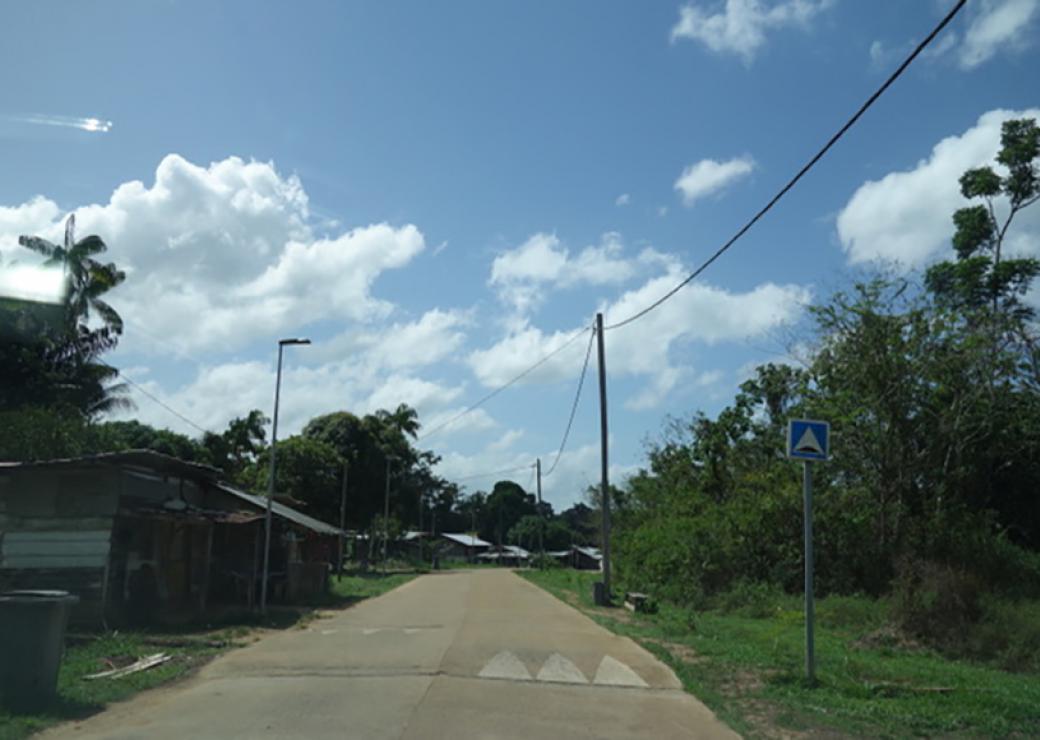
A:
743	657
191	646
929	500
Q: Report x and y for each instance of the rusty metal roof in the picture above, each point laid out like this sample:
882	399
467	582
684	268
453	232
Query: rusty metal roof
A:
148	459
260	502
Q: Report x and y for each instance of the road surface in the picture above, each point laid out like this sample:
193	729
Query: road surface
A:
466	654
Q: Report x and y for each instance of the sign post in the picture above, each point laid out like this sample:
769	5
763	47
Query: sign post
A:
808	441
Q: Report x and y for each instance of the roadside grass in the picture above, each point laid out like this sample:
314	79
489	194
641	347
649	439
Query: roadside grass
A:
746	662
190	645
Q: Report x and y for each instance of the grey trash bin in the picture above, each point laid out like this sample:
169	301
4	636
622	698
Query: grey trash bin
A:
32	638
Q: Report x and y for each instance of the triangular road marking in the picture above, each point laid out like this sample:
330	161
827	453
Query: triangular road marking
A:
505	665
557	668
612	672
808	443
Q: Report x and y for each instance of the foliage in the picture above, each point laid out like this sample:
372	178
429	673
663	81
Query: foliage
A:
933	394
61	366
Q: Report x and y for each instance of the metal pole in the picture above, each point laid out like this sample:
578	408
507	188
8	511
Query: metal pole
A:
386	514
270	487
541	515
810	658
342	515
605	493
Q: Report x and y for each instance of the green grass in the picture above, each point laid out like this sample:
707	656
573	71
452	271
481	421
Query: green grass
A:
190	645
749	670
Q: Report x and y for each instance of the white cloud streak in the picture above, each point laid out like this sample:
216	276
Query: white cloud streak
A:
708	176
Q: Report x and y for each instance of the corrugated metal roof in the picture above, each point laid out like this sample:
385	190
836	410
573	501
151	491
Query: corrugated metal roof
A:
591	552
515	551
281	510
149	459
466	539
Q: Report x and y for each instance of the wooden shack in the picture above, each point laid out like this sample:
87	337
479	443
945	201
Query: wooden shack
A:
140	536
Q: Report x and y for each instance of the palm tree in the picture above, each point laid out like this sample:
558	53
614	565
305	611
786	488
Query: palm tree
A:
71	372
87	278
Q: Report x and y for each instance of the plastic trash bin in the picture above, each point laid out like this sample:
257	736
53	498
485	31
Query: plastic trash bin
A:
32	638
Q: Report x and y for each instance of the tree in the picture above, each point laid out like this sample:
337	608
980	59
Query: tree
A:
62	367
982	273
307	470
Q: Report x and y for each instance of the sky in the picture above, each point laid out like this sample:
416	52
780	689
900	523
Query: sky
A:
440	194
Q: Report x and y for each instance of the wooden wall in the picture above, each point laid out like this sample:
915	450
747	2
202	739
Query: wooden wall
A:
55	530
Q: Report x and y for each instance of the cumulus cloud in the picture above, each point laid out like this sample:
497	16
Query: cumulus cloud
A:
740	26
997	25
708	176
217	256
700	312
905	217
522	275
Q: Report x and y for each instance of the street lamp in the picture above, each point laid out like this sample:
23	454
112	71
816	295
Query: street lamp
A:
386	510
270	483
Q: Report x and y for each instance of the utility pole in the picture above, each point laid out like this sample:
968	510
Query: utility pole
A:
605	483
342	515
386	514
541	514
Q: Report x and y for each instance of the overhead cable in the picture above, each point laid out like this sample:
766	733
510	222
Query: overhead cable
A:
574	406
802	172
499	389
141	390
492	473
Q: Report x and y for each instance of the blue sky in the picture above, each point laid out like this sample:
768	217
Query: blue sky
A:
436	193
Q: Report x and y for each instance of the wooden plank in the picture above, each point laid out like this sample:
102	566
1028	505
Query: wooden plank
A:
71	535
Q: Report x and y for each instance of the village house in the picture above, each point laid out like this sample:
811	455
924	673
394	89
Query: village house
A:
140	536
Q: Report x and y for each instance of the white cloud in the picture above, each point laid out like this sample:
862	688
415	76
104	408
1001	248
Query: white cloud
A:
906	216
710	176
436	335
623	200
218	256
740	27
522	275
507	440
997	25
699	312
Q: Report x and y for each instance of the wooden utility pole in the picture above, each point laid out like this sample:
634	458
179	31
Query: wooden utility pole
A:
605	482
342	516
541	514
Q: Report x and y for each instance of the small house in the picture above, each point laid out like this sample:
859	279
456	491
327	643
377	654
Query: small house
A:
140	536
461	547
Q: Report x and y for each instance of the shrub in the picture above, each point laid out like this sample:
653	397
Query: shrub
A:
937	603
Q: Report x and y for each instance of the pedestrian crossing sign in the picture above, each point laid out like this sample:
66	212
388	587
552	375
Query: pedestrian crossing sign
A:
808	440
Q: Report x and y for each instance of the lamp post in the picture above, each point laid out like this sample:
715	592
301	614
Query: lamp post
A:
386	511
270	483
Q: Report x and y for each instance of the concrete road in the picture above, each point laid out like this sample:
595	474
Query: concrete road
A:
470	654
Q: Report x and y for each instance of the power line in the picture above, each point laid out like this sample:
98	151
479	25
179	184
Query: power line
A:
802	172
141	389
492	473
574	406
506	385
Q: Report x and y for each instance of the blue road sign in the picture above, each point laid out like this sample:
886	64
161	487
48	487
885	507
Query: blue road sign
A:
808	440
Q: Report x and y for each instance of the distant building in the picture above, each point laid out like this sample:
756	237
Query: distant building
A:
510	555
461	547
586	558
140	536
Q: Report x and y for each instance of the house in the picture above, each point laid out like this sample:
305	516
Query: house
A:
139	536
461	547
586	558
509	555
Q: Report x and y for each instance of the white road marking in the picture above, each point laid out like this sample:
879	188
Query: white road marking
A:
505	665
412	630
371	630
612	672
329	632
557	668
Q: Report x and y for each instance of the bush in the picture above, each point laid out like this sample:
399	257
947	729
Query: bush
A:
936	603
750	599
545	562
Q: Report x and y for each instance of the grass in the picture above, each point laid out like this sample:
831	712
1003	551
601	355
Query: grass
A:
190	645
750	669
